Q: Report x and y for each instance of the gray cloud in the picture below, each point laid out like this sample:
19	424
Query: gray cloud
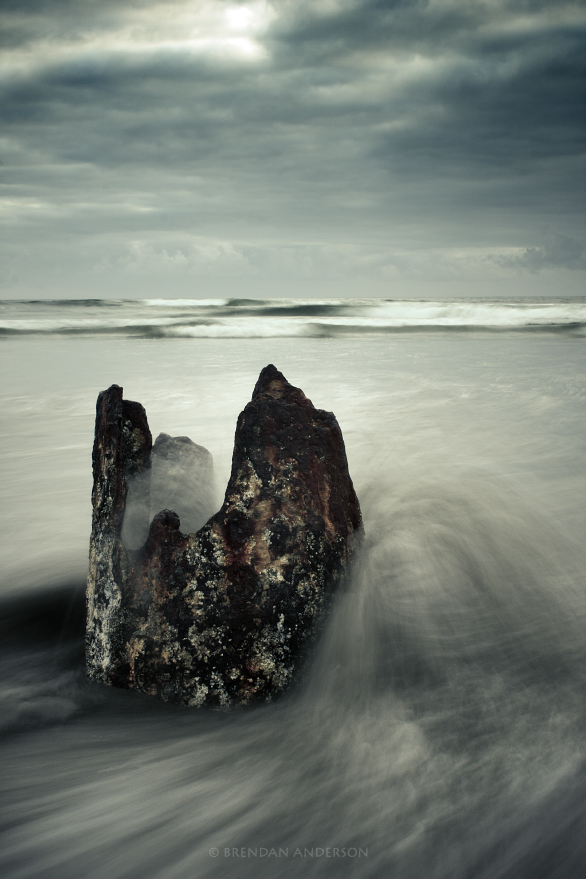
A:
401	140
562	252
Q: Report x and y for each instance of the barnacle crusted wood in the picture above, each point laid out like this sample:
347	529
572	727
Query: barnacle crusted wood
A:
223	616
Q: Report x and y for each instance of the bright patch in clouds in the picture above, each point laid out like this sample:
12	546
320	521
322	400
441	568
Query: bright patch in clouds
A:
291	147
210	28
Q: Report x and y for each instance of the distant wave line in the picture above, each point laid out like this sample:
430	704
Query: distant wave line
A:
256	329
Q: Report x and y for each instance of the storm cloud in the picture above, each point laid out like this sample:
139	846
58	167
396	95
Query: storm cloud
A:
333	147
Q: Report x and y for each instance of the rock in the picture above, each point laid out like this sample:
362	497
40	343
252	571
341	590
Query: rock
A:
224	616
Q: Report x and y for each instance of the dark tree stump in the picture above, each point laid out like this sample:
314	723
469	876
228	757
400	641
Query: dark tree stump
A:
224	616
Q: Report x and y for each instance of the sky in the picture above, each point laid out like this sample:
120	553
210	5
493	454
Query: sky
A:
311	148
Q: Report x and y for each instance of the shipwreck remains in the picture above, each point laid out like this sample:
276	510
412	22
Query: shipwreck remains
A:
223	616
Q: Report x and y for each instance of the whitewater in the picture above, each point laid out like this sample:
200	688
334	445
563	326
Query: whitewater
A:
439	728
254	318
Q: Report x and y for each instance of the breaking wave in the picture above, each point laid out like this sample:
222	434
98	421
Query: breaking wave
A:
273	318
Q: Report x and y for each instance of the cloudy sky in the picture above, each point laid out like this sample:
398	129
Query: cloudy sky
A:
292	147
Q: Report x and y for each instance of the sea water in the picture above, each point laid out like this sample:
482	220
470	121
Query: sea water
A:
440	727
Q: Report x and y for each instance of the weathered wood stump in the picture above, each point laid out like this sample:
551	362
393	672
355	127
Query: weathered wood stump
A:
224	616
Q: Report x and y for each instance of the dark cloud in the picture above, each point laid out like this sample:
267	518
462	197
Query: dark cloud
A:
402	134
562	252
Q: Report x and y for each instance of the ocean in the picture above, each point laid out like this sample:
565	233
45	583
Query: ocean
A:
439	729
